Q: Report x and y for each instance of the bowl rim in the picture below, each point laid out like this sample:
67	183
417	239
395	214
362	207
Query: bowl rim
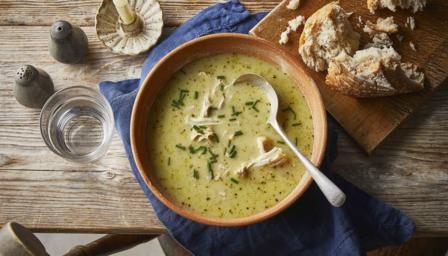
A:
299	189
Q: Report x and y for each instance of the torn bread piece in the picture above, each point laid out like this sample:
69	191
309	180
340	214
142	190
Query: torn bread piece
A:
327	33
380	31
293	4
373	72
386	25
415	5
284	36
295	23
380	40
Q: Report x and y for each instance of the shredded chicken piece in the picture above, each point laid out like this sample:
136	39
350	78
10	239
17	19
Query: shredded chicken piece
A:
273	157
203	121
269	156
207	134
293	4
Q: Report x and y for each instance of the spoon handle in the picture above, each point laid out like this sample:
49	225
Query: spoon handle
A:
333	194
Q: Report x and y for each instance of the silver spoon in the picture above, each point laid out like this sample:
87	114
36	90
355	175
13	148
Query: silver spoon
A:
333	194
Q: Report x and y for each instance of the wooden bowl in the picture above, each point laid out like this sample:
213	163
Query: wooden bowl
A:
212	45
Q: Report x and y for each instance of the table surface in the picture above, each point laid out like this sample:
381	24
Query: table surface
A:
49	194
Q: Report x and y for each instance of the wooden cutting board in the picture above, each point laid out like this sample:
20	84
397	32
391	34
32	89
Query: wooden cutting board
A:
370	121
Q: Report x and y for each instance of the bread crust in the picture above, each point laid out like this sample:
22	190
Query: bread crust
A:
384	80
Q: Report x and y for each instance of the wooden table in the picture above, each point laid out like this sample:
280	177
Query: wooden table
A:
49	194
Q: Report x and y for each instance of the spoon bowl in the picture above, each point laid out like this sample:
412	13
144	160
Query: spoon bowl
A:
333	194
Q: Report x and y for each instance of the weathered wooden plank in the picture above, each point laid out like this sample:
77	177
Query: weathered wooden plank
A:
46	193
43	191
82	12
409	170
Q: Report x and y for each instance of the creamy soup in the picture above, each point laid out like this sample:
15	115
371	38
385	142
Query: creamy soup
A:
211	147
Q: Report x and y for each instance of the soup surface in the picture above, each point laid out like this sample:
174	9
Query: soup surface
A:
210	145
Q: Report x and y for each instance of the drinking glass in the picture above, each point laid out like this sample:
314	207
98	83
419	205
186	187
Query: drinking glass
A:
77	124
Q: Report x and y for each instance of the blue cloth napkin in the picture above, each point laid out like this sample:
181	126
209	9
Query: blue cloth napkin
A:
310	226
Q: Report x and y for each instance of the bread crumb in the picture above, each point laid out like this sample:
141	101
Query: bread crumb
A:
296	22
386	25
411	44
380	40
284	36
410	23
293	4
360	21
415	5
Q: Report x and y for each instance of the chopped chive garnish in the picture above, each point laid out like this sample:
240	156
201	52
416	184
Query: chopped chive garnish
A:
215	138
198	149
210	170
221	77
180	100
213	157
234	112
180	146
169	160
198	129
195	174
231	153
221	116
289	109
196	94
281	142
253	105
221	87
296	124
295	140
228	143
232	119
238	133
234	180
